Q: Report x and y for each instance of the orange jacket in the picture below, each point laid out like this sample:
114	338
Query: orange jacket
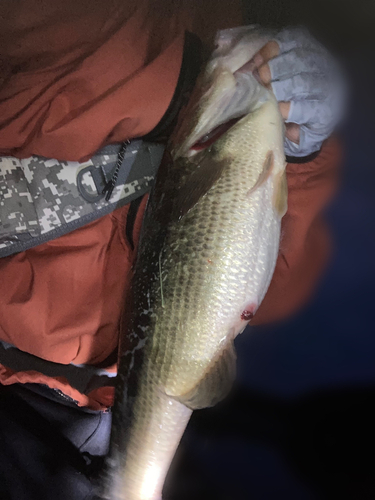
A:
79	75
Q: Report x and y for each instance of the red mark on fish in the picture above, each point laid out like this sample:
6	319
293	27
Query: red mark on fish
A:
247	315
248	312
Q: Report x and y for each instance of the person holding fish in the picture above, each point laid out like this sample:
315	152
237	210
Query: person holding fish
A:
90	94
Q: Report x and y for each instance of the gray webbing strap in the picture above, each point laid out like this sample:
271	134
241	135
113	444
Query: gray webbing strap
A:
42	199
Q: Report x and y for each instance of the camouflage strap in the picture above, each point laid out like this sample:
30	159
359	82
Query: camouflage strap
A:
42	199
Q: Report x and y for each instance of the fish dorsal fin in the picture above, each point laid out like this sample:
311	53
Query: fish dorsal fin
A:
215	384
207	172
194	178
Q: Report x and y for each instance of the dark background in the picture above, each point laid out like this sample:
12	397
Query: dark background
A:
300	423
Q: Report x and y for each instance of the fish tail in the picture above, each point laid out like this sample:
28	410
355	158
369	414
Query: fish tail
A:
158	427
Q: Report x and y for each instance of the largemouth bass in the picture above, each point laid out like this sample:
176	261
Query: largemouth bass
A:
206	255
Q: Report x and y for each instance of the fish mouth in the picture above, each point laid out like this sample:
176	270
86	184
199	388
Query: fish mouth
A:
215	134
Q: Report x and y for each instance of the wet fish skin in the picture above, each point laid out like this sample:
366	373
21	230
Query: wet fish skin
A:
206	256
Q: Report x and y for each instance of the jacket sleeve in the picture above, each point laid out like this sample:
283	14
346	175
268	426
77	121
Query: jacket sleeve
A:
305	238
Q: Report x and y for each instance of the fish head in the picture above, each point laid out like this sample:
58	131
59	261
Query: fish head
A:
223	93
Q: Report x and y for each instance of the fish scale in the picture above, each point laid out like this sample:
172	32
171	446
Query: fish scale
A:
206	256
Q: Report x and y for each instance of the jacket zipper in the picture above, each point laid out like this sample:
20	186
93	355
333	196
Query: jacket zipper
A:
64	396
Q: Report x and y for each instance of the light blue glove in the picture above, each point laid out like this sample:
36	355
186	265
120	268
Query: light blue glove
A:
305	74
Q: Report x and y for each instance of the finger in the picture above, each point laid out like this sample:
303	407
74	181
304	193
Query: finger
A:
252	65
258	64
292	132
258	60
310	140
263	75
269	51
284	109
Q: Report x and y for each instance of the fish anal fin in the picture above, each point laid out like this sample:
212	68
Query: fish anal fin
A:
280	200
215	384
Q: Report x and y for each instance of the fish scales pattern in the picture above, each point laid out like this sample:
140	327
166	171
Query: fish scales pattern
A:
205	270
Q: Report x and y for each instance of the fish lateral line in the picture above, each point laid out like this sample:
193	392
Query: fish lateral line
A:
161	282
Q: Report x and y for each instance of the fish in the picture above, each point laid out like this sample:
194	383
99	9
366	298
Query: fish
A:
206	255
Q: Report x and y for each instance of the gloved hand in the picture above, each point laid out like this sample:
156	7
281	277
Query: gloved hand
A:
307	83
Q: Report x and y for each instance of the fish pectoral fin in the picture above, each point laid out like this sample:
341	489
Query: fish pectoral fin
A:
198	183
266	171
215	384
280	200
